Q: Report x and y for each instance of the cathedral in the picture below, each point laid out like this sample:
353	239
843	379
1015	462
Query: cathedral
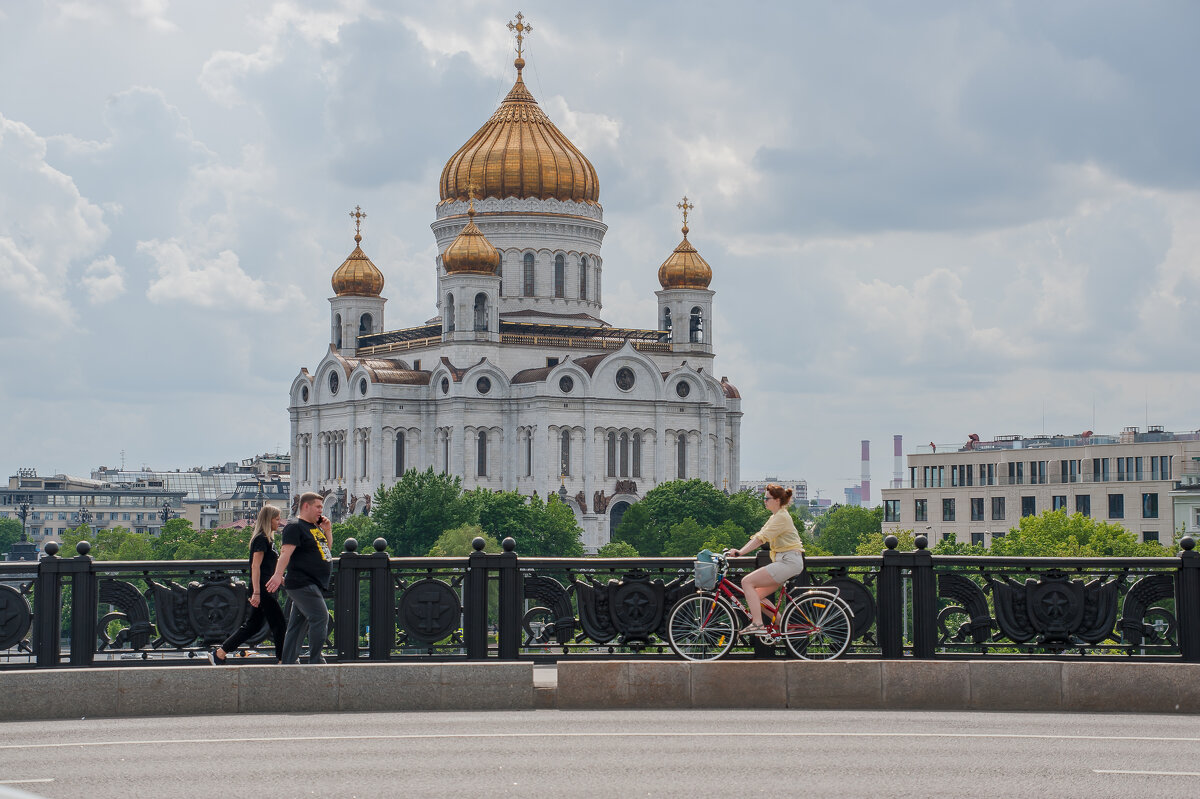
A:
518	383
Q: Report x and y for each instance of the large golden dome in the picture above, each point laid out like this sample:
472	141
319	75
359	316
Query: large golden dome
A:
520	153
357	276
471	252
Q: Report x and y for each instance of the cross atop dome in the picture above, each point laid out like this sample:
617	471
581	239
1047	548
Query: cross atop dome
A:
358	215
519	27
685	206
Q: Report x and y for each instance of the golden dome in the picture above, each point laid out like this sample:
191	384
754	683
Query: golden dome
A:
357	276
685	269
470	252
520	153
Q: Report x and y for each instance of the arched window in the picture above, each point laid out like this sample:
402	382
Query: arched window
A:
399	454
624	454
681	457
446	452
560	276
337	330
481	311
362	444
583	277
529	454
481	455
666	322
696	328
564	454
612	454
597	273
449	313
500	271
365	324
527	276
637	454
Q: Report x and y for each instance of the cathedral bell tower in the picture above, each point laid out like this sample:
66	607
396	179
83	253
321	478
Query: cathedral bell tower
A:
470	293
685	302
356	309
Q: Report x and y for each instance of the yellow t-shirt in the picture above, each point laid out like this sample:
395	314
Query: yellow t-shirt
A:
780	532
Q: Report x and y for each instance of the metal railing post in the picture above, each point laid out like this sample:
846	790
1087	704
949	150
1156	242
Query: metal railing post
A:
47	608
85	604
890	597
510	600
345	603
924	601
1187	600
383	603
475	610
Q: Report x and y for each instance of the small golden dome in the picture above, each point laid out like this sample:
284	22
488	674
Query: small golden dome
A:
357	276
470	252
685	269
520	153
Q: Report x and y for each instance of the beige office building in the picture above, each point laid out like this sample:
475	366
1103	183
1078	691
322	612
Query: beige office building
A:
981	489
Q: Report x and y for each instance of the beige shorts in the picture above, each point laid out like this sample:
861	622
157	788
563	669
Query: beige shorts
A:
786	565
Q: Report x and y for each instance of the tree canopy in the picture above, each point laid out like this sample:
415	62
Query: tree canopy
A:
1055	534
845	527
10	533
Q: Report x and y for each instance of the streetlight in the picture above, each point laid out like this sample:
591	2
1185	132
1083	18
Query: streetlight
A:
165	512
85	515
23	509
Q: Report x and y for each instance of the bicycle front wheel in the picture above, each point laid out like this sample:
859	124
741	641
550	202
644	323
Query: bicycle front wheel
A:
701	628
816	628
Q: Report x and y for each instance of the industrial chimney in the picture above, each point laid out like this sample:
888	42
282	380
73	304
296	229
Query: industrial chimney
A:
866	473
897	461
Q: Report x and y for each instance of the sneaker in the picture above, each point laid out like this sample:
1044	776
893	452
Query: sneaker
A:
213	659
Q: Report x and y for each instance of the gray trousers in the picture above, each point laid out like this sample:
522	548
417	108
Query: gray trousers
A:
309	614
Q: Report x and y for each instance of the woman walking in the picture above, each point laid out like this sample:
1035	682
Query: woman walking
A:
262	565
787	555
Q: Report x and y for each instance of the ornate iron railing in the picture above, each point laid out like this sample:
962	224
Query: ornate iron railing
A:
80	612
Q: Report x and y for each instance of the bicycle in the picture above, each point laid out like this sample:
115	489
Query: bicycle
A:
814	623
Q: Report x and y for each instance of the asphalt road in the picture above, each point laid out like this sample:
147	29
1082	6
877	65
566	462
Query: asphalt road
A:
608	753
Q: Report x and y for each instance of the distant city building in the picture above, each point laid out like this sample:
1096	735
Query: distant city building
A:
799	487
854	496
1149	483
244	502
57	504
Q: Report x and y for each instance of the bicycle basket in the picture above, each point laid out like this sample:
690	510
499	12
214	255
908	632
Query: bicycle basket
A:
706	575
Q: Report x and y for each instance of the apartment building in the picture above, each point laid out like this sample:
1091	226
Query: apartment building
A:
981	489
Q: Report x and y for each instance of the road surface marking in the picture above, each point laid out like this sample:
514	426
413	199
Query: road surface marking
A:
23	782
1152	773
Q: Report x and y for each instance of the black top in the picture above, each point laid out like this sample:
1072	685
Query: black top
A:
260	543
310	563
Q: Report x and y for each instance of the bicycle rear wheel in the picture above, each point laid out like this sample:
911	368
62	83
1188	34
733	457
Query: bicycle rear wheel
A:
701	627
816	627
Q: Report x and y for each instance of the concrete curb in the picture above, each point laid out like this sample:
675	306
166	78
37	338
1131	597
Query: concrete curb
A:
883	685
202	690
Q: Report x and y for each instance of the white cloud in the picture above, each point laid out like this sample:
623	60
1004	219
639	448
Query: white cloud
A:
218	282
586	131
104	280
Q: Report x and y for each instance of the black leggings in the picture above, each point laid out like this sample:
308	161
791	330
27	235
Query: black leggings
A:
269	609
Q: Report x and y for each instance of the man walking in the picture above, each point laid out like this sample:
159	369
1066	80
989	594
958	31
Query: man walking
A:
305	558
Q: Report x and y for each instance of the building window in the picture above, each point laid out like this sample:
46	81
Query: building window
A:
666	322
976	509
527	276
612	455
1028	506
1150	536
399	454
1149	506
920	510
499	273
977	539
481	312
529	454
624	454
583	278
1116	505
564	453
696	326
637	454
998	509
560	276
1083	504
446	452
891	510
947	510
365	325
1058	502
481	455
449	313
681	457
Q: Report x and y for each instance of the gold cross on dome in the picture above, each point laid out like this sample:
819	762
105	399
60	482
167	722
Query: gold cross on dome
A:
685	206
358	215
521	29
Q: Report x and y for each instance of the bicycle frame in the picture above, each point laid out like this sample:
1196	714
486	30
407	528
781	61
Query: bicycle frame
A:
730	591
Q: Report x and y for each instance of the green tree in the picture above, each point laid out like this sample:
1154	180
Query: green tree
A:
616	549
842	529
689	537
872	544
1055	534
950	545
647	523
10	533
458	542
416	510
747	511
362	529
109	543
177	534
545	528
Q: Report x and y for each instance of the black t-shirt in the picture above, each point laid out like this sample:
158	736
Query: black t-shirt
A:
310	562
260	543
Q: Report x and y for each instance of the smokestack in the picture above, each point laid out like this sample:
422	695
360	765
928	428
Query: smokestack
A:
897	461
866	473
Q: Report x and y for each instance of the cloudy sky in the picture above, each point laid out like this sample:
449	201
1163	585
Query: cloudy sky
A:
928	219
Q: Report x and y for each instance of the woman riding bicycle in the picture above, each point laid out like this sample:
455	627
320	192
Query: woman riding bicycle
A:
787	555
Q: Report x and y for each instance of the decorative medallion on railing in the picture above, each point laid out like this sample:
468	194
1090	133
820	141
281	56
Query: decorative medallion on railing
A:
631	610
15	617
210	610
131	608
1143	624
553	613
1058	611
970	601
429	610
